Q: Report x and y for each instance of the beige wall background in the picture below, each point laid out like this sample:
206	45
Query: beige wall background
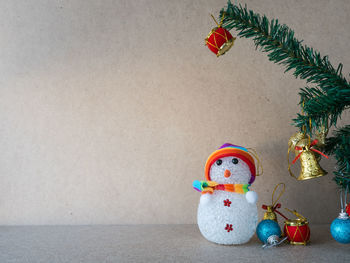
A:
109	109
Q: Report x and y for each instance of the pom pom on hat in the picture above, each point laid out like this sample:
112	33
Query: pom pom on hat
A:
229	149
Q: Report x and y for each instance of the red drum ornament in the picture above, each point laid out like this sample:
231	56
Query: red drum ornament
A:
297	230
219	40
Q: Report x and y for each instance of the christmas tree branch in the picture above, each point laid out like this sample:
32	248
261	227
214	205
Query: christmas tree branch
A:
321	104
321	107
339	146
283	48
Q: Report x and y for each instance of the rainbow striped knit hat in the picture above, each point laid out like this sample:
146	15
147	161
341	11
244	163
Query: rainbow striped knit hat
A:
229	149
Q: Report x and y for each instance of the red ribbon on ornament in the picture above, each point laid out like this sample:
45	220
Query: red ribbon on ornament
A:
313	143
274	209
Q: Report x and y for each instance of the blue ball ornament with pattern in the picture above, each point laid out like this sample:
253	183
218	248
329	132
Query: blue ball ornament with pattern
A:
340	230
267	228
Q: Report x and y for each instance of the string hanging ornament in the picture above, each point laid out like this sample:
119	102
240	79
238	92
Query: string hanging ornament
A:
219	40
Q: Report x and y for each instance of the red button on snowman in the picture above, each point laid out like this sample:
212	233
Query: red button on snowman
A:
227	211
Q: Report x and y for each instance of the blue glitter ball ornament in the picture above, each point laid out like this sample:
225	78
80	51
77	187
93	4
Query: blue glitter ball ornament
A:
267	228
340	228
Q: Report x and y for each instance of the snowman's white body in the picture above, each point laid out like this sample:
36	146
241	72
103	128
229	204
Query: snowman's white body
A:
226	217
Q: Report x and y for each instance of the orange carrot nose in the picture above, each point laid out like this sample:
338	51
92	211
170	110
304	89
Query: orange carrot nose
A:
227	173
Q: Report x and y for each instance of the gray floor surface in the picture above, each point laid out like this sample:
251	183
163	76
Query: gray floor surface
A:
152	243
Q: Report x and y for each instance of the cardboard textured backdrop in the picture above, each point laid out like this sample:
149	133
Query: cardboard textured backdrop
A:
109	109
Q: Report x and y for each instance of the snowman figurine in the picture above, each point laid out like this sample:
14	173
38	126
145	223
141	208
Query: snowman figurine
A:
227	212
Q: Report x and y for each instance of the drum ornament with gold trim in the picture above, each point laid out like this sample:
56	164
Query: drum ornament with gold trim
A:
219	40
297	230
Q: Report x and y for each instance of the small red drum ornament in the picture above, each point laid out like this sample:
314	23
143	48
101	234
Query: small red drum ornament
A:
219	40
297	230
348	209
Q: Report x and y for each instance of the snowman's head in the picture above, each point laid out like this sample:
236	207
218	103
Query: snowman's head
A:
230	170
230	164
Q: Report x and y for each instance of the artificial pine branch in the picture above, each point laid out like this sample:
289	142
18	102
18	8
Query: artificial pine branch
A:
283	48
339	146
321	104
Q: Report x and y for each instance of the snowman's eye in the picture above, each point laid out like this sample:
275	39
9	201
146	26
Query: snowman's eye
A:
219	162
234	160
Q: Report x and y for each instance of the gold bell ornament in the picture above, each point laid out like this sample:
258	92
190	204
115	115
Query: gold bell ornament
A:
305	151
321	135
294	139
